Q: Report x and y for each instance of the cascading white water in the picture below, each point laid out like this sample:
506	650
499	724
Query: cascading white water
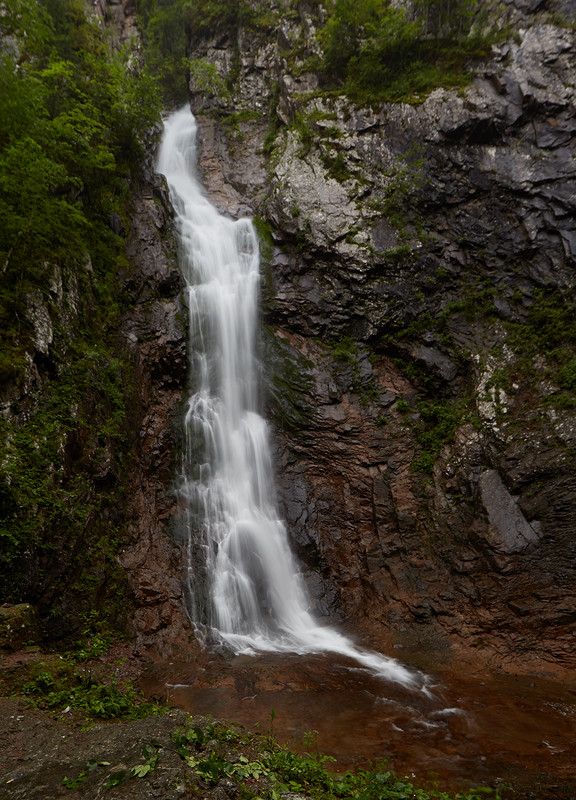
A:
243	585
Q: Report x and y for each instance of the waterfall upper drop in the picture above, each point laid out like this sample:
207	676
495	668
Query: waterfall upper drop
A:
242	584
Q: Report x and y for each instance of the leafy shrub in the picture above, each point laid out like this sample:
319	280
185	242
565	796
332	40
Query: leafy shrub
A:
73	118
375	51
205	78
97	700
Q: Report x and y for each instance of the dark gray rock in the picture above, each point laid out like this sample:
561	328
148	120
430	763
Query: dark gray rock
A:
508	529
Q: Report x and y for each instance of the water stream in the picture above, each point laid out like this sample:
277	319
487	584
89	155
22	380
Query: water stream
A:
243	587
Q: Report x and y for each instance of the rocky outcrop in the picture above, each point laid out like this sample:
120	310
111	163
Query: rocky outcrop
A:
119	16
424	432
18	627
153	333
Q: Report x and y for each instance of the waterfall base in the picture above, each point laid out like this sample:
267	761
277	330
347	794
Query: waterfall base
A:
481	729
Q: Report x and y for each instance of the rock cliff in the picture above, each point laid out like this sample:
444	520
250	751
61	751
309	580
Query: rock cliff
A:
418	292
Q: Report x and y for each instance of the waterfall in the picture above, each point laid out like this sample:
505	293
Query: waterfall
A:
243	586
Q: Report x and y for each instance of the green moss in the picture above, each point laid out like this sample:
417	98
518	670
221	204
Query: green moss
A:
348	350
403	406
233	121
400	203
345	349
289	383
267	292
548	333
398	255
275	123
437	426
336	167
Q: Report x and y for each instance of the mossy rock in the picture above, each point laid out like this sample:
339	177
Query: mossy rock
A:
18	627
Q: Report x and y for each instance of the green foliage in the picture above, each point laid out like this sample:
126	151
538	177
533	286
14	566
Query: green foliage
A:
151	754
82	692
376	52
91	766
437	426
205	78
169	26
72	121
300	773
96	637
307	774
346	349
164	26
446	17
266	770
567	375
40	497
194	738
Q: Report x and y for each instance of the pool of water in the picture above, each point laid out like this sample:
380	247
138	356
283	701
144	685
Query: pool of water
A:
463	729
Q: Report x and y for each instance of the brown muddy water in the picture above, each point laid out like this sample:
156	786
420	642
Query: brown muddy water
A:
466	729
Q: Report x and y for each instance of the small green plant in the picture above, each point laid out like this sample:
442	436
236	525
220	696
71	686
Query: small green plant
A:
115	779
193	738
403	406
336	167
82	692
151	753
345	349
213	768
567	375
205	78
91	766
437	426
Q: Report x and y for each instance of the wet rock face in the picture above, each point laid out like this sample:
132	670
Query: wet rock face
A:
153	333
424	473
